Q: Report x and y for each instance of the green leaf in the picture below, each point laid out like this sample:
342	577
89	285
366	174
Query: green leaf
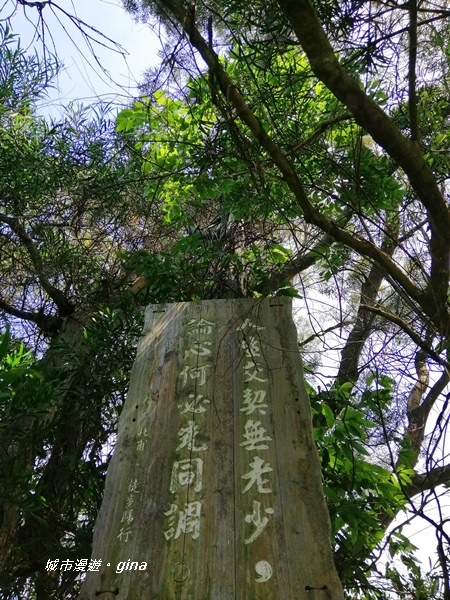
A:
328	414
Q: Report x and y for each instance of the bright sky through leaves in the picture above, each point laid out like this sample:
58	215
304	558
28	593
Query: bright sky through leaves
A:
110	71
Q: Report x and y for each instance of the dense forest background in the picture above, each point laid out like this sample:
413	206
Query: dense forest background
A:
285	148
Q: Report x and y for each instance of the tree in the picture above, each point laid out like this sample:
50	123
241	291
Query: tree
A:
70	202
300	141
367	171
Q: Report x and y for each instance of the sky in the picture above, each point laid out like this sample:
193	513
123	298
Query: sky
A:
82	78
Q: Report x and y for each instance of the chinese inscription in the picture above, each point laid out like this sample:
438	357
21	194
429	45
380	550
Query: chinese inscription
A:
255	438
127	518
187	472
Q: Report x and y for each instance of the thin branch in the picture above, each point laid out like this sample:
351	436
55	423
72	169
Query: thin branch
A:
79	24
323	332
427	481
412	77
320	129
65	307
310	213
369	115
399	32
412	231
407	329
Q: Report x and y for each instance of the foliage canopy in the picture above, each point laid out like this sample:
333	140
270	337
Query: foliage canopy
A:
282	148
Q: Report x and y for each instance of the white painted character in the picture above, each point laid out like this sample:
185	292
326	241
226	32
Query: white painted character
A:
259	522
184	521
254	401
255	476
187	472
255	436
187	437
194	404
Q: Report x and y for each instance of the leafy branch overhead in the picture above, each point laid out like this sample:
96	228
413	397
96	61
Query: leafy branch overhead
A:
347	164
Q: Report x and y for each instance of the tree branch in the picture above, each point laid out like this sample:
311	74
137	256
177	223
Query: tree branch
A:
348	368
369	115
407	329
48	324
310	213
320	129
427	481
323	332
65	308
412	96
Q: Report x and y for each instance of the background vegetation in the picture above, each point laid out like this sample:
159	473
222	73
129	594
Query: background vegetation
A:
281	148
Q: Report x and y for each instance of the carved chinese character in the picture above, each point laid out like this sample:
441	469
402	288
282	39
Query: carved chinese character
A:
142	432
251	346
255	435
200	326
251	373
254	401
199	349
247	324
198	373
187	437
254	476
133	487
171	513
127	516
187	472
124	534
258	521
193	405
141	439
187	521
